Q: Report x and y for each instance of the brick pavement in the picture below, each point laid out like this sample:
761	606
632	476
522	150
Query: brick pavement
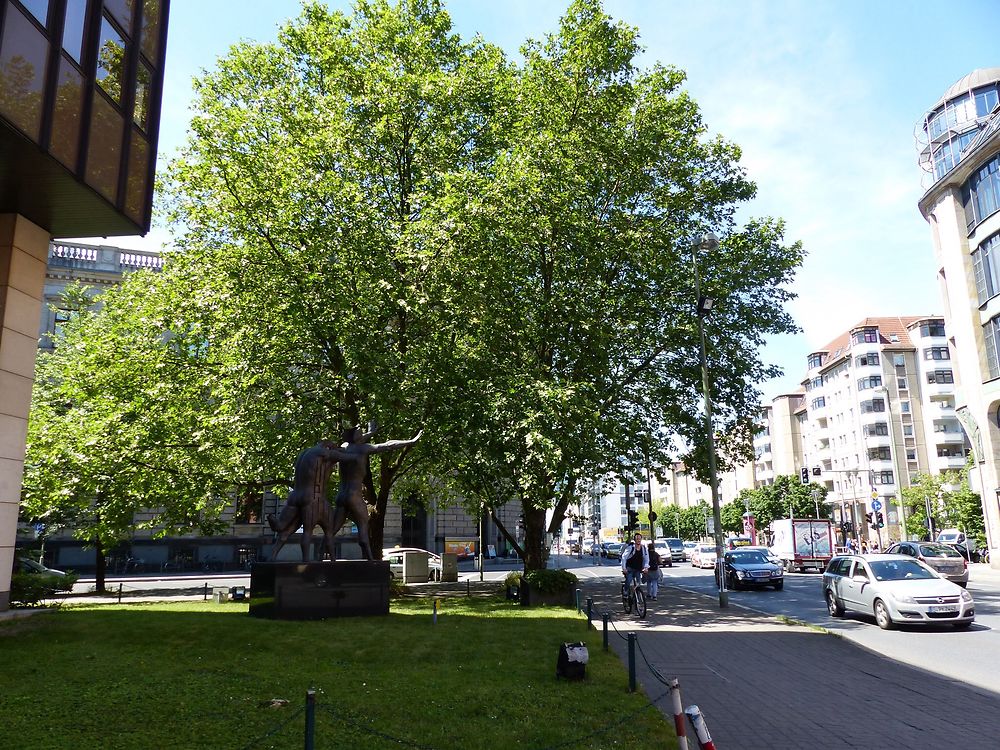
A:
763	684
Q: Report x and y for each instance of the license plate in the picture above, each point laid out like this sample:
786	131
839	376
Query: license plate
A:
943	608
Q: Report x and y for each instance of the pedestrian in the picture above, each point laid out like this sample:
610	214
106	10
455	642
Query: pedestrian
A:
850	546
654	572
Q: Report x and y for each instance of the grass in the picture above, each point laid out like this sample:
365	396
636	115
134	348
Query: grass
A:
203	675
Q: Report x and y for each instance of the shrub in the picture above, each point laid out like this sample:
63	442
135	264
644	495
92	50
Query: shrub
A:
29	589
513	579
550	581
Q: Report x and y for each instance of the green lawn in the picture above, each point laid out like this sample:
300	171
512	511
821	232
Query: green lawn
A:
202	675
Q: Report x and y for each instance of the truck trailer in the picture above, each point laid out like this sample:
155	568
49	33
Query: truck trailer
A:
802	543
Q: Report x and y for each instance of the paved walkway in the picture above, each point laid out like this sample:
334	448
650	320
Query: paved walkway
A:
761	683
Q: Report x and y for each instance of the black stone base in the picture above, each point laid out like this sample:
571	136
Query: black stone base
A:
318	590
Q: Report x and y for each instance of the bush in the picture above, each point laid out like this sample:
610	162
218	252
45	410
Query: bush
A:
513	579
29	589
550	581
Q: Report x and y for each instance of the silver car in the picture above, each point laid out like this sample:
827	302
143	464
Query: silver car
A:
945	559
897	590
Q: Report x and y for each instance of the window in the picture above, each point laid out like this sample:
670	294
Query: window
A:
991	332
981	193
898	360
860	571
877	428
817	403
882	477
815	360
874	405
932	328
75	21
904	407
873	381
937	352
986	268
879	454
940	376
866	359
911	454
111	61
950	451
908	430
865	336
901	384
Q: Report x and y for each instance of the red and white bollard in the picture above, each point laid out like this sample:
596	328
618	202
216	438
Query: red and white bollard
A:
679	726
700	728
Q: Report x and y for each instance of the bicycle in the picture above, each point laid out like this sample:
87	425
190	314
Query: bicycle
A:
634	598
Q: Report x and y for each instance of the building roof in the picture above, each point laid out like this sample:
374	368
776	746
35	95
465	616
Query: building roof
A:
888	329
975	79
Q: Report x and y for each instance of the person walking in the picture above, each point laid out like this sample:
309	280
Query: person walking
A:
653	586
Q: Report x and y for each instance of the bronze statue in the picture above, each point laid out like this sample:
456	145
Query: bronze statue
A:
307	504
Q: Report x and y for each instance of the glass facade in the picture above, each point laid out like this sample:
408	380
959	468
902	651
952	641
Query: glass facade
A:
981	193
986	268
83	80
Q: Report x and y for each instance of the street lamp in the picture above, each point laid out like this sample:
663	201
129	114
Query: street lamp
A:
709	242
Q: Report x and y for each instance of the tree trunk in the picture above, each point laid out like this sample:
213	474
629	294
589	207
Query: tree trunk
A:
534	538
102	565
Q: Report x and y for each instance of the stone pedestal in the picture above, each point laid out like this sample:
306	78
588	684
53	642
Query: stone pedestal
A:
319	590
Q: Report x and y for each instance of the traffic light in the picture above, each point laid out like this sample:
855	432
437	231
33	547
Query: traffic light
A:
868	518
804	475
817	471
847	527
879	519
633	520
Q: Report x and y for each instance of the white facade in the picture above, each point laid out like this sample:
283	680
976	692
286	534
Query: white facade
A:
960	147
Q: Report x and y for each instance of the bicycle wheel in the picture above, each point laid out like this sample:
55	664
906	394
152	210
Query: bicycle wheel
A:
640	603
626	598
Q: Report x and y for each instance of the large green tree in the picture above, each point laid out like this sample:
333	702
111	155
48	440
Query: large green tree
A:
951	502
580	241
378	221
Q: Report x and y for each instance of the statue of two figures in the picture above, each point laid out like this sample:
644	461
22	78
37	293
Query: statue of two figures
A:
307	505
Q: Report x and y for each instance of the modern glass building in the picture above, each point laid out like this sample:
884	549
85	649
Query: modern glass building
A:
959	147
80	91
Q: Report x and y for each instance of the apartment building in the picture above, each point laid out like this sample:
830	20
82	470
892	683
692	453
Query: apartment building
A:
880	406
777	445
959	149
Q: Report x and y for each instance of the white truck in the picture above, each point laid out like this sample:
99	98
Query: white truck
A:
802	543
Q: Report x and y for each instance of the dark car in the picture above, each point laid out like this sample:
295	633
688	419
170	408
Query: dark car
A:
945	559
751	568
27	565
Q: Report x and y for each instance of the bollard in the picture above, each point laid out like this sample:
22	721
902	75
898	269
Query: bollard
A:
605	631
679	725
590	611
119	593
435	611
310	719
205	597
631	662
700	728
579	608
468	587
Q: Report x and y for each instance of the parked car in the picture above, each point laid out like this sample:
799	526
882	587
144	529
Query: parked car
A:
944	558
956	537
688	549
766	552
27	565
395	555
751	568
896	589
663	550
703	556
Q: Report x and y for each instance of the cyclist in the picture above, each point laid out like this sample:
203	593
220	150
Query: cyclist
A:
635	561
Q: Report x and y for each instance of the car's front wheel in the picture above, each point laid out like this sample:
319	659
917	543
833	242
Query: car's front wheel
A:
882	616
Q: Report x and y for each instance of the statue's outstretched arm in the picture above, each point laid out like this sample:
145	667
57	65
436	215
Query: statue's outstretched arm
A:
390	445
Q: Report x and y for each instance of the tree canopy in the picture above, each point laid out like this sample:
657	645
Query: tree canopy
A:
379	221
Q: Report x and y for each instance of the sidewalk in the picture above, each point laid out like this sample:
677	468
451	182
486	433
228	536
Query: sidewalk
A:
762	684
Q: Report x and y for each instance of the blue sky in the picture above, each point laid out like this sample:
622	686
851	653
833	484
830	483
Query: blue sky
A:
822	97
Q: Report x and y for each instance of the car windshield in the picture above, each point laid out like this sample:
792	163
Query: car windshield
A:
937	550
747	557
675	544
900	570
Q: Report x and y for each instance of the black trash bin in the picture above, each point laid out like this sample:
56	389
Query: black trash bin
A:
572	661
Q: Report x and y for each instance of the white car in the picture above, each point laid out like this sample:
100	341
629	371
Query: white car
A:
395	555
703	556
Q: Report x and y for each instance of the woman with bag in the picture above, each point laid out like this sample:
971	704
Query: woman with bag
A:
654	572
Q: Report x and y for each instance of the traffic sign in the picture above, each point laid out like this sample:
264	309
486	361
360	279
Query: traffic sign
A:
876	505
874	495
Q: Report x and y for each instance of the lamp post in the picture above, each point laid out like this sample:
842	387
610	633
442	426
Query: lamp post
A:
708	243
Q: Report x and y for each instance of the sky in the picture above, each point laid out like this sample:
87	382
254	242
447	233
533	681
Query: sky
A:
822	96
